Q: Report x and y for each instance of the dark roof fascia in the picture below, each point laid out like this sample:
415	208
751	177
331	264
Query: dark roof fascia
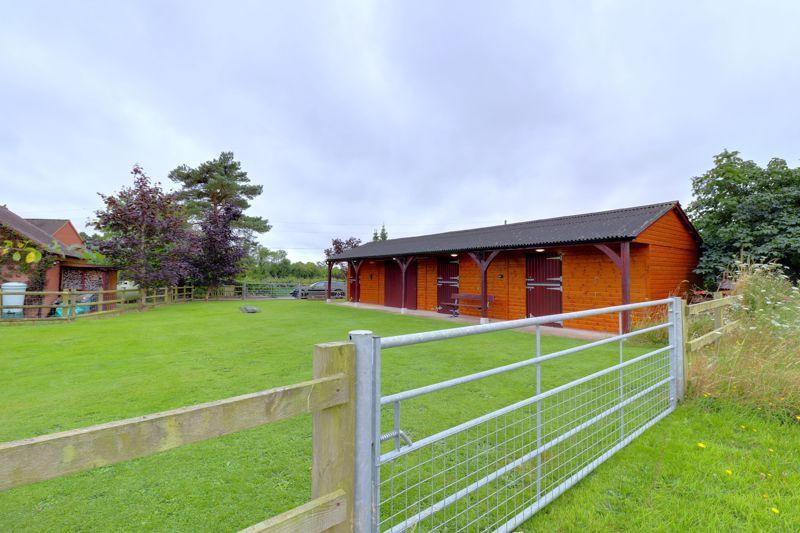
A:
548	246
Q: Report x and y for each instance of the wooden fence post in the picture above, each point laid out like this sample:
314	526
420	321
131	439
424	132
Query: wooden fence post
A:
685	342
333	464
100	300
64	304
142	298
73	300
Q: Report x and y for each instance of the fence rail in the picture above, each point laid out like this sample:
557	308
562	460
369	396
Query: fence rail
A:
722	322
329	396
70	304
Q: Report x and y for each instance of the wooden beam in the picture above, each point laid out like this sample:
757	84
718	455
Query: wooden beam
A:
610	253
333	464
403	262
483	261
330	276
625	274
321	514
710	337
356	264
37	459
623	262
702	307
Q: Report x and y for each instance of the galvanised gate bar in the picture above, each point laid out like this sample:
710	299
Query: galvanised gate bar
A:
493	472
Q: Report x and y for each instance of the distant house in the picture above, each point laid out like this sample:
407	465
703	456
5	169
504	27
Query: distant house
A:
60	239
535	268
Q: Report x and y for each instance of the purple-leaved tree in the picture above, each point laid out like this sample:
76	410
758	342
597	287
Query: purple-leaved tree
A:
219	249
147	235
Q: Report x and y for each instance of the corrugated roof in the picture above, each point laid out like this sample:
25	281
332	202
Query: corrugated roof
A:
34	233
50	225
619	224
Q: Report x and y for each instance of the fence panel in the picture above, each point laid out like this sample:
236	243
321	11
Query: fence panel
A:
496	470
719	309
329	397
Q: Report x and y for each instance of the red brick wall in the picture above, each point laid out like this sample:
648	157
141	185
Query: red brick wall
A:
673	256
68	235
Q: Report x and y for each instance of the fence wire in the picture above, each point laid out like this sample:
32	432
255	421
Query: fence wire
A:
493	472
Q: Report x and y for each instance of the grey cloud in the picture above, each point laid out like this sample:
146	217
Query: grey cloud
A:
424	115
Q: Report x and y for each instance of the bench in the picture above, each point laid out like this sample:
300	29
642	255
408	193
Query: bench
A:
461	299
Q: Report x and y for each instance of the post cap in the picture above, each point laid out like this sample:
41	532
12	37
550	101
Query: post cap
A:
358	333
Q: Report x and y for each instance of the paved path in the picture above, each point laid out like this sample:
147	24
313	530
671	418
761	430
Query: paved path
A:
546	330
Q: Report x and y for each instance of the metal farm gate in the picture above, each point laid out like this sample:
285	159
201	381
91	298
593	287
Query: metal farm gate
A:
494	471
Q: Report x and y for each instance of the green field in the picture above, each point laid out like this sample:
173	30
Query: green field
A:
62	376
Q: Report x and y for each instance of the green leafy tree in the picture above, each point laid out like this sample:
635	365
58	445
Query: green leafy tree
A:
744	210
217	183
263	264
382	236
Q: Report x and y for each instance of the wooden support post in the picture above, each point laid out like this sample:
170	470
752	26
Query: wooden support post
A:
404	263
685	348
623	262
356	265
73	300
330	276
333	463
625	271
100	300
483	261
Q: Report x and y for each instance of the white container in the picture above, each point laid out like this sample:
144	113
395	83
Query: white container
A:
13	299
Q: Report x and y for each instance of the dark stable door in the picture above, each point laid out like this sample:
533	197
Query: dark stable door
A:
543	285
393	285
446	284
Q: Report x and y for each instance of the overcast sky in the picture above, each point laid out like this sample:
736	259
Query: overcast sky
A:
425	116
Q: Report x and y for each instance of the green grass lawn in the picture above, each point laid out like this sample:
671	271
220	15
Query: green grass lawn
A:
62	376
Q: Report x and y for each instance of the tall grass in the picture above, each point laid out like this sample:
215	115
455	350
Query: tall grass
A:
758	362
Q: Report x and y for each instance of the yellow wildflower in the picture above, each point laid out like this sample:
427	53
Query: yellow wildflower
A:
729	472
775	510
770	450
701	444
743	426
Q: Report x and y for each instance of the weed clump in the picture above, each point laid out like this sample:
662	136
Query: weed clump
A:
757	361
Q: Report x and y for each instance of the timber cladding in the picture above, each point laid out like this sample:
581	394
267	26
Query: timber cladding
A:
427	294
663	255
371	277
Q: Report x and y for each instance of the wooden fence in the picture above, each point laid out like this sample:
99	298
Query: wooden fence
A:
722	321
329	396
71	304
